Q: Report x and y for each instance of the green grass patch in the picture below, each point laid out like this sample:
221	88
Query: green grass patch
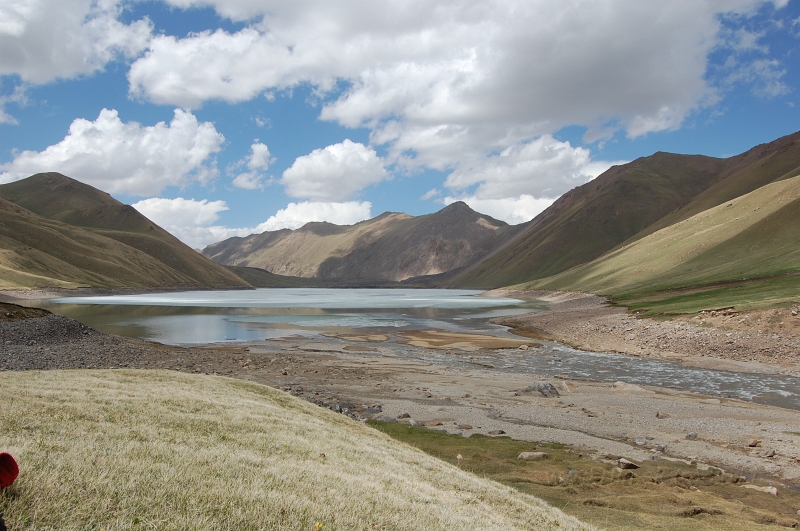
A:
660	495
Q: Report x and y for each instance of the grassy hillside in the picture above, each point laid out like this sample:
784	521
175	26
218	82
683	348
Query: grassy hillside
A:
120	450
743	253
59	232
594	218
391	247
627	203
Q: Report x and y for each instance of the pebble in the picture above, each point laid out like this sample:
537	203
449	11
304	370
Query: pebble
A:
532	456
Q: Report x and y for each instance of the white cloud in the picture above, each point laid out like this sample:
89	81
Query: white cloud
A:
189	220
295	215
334	173
260	158
180	212
258	162
543	167
438	81
524	179
127	158
193	222
43	40
512	210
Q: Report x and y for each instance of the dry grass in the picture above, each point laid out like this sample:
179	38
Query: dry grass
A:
118	450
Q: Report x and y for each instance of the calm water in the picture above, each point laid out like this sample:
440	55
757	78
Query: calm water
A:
247	315
215	316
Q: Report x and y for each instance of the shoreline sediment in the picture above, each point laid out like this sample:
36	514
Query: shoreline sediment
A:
757	341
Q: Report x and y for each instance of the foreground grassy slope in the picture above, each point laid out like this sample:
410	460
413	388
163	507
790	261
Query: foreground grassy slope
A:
627	203
139	450
744	253
98	237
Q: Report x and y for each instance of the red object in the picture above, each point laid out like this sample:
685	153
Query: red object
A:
9	470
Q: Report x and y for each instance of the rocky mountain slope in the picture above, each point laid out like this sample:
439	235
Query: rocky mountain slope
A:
58	232
626	203
390	247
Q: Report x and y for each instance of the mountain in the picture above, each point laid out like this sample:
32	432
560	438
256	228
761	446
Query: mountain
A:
627	203
391	247
58	232
744	252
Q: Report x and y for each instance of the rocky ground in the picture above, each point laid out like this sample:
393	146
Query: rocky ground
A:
756	341
380	377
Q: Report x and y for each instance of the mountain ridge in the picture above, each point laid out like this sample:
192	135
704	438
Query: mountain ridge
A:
391	247
58	232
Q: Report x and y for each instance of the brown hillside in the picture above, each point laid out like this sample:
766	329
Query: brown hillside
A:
626	203
390	247
62	231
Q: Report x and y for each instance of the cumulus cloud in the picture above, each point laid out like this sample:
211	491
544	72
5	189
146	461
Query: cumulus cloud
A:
189	220
43	40
334	173
524	179
295	215
437	79
258	162
127	158
543	167
194	222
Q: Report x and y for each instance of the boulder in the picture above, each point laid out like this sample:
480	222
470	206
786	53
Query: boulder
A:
465	426
755	443
627	465
497	432
532	456
692	436
545	389
662	415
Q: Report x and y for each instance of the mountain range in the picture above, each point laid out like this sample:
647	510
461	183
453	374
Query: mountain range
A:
662	233
391	247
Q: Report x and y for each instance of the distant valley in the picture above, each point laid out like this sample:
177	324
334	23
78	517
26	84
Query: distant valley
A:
664	233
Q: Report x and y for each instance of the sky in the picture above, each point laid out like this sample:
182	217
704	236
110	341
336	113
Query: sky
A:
223	118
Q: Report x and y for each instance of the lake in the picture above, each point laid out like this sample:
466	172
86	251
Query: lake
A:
193	317
185	318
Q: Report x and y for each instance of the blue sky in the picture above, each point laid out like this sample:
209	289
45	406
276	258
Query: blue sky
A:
223	118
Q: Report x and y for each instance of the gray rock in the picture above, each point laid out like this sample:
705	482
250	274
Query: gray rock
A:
626	465
404	416
662	415
532	456
497	432
692	436
545	389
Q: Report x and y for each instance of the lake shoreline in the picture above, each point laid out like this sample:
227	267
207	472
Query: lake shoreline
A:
758	341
